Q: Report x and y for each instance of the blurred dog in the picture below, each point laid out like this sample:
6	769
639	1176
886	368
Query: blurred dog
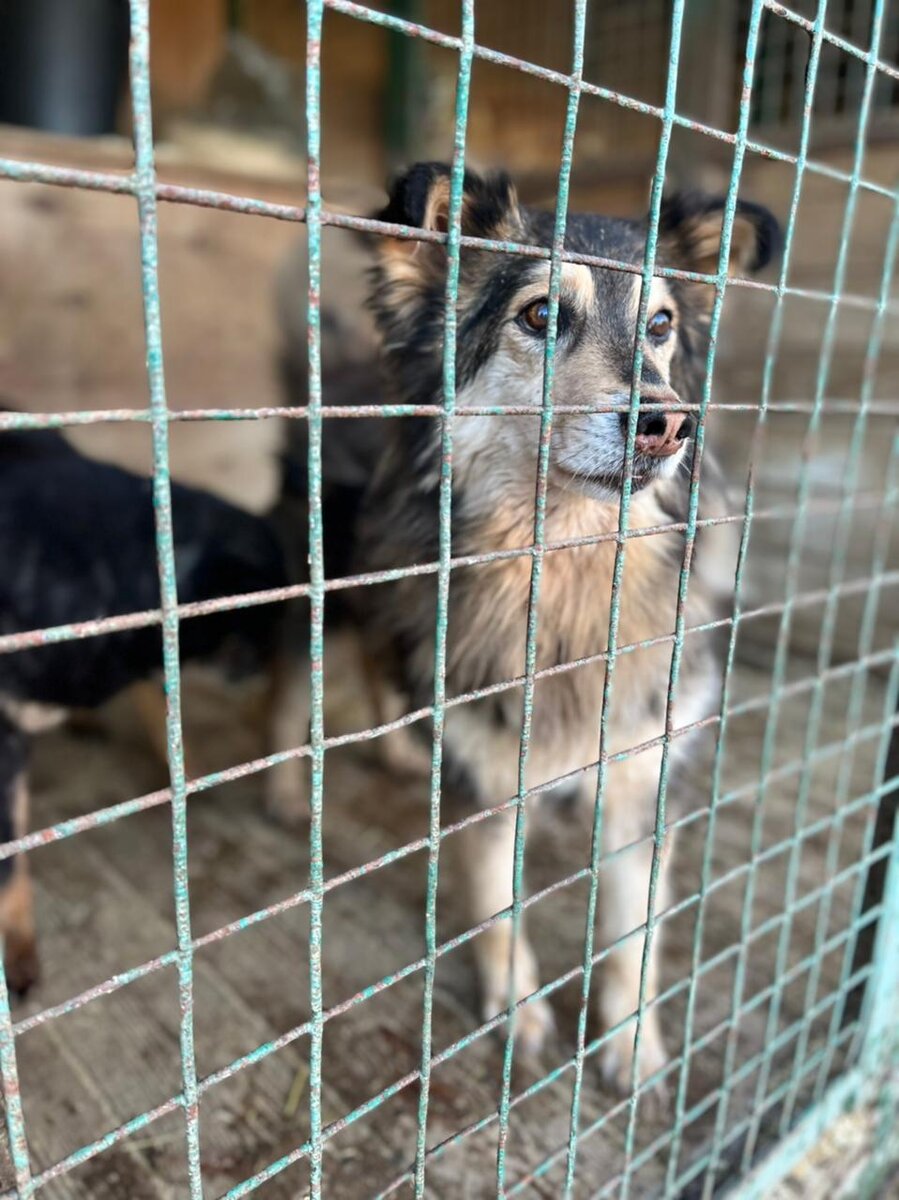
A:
502	314
351	447
78	540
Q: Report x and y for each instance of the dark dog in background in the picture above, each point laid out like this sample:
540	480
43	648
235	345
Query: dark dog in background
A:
351	447
77	541
502	313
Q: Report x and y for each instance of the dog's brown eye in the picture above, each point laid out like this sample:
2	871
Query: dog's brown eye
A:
536	316
660	325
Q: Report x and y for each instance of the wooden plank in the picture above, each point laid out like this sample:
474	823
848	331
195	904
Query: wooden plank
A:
188	44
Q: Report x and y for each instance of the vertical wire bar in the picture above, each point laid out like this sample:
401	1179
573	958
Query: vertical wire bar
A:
314	18
867	632
145	187
617	574
453	251
825	652
854	82
879	1037
628	465
829	620
773	45
12	1098
545	437
774	338
730	207
792	573
865	637
761	422
799	73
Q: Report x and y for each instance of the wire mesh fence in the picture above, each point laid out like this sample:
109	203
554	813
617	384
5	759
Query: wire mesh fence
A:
788	1043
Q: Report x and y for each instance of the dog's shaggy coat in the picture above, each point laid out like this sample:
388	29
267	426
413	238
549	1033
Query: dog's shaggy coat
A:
500	355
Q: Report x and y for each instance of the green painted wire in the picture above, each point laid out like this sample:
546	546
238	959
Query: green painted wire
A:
828	631
314	15
730	207
617	575
866	636
145	186
792	574
453	252
825	645
12	1097
539	542
794	556
712	1035
879	1046
739	575
874	1038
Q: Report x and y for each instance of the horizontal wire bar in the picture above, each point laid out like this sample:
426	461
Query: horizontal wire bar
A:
96	626
411	1077
24	421
834	39
449	42
123	978
16	171
647	1085
84	1153
736	1130
290	1036
75	825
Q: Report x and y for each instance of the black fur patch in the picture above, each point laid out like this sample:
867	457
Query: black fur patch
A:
82	536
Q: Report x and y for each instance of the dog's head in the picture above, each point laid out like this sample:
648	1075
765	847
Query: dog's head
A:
502	316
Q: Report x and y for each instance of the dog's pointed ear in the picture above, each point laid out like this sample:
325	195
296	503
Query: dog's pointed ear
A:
690	227
420	198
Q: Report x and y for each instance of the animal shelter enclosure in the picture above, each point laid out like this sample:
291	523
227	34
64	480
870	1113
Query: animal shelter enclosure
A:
230	1010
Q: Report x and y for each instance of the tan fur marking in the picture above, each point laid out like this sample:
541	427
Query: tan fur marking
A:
407	260
578	283
148	698
17	905
660	296
287	782
31	717
705	240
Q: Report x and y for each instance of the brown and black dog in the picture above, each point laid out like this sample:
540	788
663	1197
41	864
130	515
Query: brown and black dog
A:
502	313
77	539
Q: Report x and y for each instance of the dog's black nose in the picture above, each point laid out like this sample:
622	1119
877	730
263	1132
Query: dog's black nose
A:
659	433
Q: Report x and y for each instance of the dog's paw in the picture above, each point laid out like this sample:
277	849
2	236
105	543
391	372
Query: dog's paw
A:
21	964
616	1060
287	793
534	1022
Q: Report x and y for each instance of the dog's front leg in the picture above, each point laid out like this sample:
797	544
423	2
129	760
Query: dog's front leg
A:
16	896
489	850
287	783
628	819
